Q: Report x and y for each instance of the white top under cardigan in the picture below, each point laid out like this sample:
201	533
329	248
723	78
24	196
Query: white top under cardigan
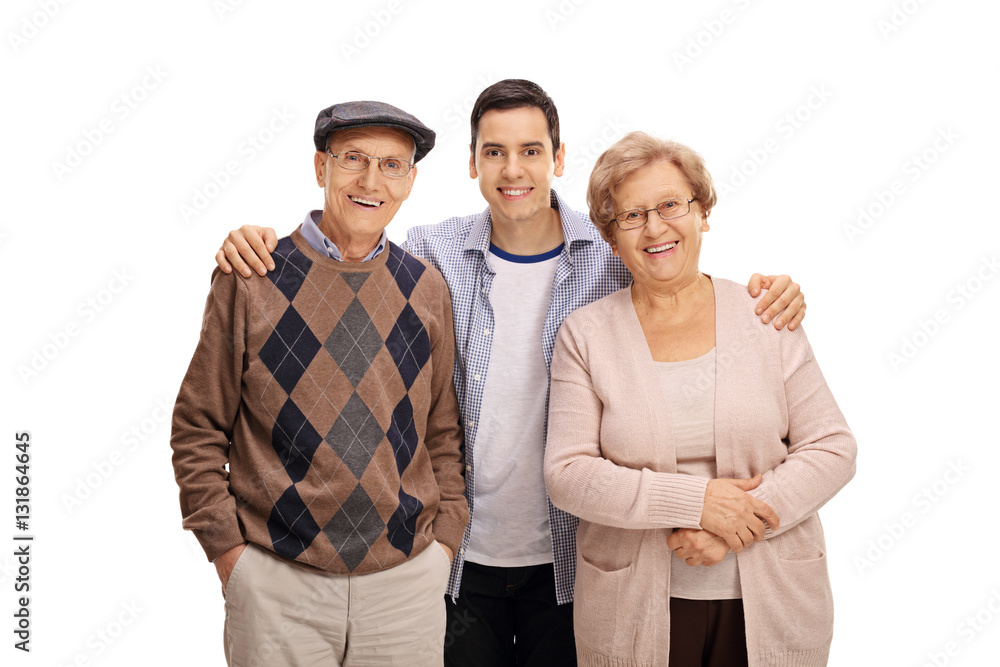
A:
610	459
689	388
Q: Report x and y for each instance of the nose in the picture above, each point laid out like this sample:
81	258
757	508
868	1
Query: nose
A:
512	167
368	177
655	225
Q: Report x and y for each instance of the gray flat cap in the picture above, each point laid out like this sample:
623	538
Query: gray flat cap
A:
372	114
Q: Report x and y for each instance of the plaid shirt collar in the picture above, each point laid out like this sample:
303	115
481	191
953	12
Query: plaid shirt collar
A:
574	229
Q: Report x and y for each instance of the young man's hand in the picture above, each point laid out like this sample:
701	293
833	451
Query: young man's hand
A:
783	300
248	247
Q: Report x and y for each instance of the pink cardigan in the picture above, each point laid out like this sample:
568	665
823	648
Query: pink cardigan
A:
610	460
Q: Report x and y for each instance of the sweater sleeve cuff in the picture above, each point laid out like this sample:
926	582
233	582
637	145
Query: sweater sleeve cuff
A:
449	531
677	500
218	541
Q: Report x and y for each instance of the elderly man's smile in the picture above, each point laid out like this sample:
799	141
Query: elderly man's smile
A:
364	202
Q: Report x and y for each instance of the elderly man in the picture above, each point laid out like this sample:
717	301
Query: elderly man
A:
515	270
315	436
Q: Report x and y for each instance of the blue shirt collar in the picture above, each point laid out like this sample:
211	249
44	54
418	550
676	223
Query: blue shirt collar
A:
321	244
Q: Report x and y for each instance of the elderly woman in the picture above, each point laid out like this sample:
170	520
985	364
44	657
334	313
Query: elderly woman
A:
695	444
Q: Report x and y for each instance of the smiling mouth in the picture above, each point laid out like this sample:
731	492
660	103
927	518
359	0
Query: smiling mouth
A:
369	203
653	250
514	193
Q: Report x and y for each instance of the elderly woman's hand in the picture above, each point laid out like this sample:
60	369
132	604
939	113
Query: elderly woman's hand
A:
733	514
697	547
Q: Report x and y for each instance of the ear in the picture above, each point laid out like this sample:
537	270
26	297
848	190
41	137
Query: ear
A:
560	159
704	223
472	164
320	163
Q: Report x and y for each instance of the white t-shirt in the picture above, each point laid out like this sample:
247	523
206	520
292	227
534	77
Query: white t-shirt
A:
689	387
510	526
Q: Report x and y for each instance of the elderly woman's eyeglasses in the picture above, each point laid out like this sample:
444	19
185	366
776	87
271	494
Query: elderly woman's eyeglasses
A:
668	210
354	161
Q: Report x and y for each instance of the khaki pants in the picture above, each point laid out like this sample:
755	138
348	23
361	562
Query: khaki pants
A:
280	615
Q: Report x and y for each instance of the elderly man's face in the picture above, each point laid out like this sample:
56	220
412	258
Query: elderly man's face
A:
359	204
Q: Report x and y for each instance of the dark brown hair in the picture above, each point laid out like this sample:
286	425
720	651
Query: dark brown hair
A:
516	94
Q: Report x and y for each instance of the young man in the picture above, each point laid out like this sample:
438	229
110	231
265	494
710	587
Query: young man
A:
327	391
515	271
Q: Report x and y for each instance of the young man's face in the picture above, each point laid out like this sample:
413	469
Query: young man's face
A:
515	164
360	204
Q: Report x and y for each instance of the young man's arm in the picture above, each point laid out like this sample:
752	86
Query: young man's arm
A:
249	249
204	413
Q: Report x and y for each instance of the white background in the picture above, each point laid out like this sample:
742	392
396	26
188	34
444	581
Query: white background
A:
865	97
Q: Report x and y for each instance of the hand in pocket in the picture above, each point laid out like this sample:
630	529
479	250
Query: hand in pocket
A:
224	564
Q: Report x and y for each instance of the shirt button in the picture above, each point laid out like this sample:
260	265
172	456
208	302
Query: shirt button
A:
478	377
486	332
472	424
462	551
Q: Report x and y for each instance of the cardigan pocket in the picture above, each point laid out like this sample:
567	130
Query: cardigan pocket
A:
801	601
803	542
606	617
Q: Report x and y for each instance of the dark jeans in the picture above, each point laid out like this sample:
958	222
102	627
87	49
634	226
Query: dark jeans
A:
707	633
508	616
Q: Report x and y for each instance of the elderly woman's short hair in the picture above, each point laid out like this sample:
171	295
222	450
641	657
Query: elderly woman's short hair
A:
630	154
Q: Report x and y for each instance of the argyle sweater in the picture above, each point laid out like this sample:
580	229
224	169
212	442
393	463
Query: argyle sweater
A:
327	389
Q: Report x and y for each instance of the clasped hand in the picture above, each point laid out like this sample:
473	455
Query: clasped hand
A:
731	519
697	547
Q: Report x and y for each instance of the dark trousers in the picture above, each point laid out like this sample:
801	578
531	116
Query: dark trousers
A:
508	616
707	633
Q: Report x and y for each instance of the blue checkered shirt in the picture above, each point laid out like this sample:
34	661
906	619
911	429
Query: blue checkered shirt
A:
587	271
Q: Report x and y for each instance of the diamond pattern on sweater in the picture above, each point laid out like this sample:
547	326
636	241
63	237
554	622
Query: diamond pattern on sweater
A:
290	268
355	528
354	342
409	345
355	435
405	269
402	435
333	385
295	441
291	526
355	280
289	349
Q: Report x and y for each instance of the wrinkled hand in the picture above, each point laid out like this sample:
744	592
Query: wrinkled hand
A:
784	299
249	245
734	515
697	547
224	564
